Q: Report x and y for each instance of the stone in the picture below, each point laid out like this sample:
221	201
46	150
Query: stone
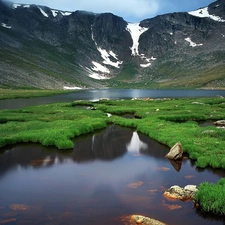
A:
175	152
172	206
163	169
135	185
220	123
23	207
141	220
183	194
6	221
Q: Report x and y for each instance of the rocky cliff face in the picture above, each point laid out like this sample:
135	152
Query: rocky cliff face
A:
46	48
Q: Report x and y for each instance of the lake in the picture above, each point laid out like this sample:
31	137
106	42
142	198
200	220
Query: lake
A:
93	95
109	174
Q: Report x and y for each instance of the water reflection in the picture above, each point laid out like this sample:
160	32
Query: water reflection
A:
136	145
109	174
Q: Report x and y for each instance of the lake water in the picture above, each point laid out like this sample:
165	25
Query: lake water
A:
109	93
109	174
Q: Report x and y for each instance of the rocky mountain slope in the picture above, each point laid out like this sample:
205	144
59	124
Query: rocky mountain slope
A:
47	48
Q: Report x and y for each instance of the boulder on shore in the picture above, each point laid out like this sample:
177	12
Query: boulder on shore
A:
183	194
142	220
220	123
175	152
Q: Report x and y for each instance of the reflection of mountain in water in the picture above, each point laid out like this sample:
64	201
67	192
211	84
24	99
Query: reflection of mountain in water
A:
136	145
111	143
108	145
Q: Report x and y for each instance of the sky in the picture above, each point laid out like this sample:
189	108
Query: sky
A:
130	10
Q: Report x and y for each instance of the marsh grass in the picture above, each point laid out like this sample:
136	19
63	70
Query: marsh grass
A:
28	93
49	125
210	197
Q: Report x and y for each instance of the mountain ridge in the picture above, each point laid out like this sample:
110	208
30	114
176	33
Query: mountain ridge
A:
48	48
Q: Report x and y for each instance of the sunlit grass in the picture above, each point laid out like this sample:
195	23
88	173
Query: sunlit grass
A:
211	197
28	93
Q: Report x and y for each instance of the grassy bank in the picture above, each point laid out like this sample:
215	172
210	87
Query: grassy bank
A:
165	120
210	197
26	93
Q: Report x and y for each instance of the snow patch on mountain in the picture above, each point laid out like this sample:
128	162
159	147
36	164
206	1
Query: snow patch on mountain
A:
15	6
43	12
54	12
192	44
203	12
106	56
98	72
135	31
99	68
71	88
6	26
98	76
109	58
148	60
65	13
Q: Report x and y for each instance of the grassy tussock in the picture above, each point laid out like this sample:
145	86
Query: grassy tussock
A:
49	125
211	197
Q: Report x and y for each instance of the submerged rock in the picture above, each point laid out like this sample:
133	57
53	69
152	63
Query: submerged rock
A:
142	220
23	207
175	152
7	221
183	194
135	184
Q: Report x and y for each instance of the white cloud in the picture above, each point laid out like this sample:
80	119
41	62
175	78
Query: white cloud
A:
131	11
133	8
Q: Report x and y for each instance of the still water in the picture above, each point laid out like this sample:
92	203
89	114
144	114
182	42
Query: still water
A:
109	93
109	174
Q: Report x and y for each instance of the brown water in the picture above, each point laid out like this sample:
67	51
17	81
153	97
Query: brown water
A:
107	175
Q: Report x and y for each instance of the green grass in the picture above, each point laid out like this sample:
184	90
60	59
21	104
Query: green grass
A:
127	73
28	93
49	125
210	197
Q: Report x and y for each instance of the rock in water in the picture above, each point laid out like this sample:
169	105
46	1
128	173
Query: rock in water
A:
175	152
141	220
184	194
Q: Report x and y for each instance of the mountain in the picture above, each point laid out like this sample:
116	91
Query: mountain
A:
48	48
